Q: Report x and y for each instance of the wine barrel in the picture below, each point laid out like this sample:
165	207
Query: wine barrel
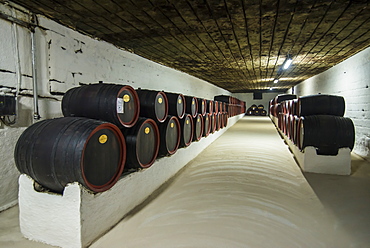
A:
215	106
210	106
187	130
223	98
143	142
218	121
176	104
284	97
202	106
260	107
198	124
118	104
327	133
207	124
170	136
59	151
213	122
191	105
321	105
153	104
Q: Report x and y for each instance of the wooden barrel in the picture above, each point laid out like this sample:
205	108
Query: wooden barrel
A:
223	98
191	105
59	151
202	106
207	124
284	97
187	130
210	106
327	133
170	136
215	106
218	121
118	104
295	129
143	142
321	105
213	123
198	124
176	104
226	119
153	104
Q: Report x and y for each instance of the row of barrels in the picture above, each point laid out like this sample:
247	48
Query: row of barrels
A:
95	147
307	105
234	105
307	125
256	110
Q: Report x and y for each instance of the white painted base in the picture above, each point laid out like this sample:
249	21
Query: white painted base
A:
309	161
78	217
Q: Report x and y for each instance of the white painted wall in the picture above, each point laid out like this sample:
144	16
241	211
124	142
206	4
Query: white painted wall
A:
350	79
248	98
65	59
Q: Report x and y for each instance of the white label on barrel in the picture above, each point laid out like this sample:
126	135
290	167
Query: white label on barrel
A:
120	106
172	124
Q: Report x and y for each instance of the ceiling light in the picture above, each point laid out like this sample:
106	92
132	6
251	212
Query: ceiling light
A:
288	61
276	81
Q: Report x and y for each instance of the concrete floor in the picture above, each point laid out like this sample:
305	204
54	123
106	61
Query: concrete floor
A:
244	190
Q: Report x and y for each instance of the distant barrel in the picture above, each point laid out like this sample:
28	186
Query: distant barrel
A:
118	104
327	133
207	124
191	105
153	104
202	106
176	104
209	106
198	127
59	151
170	136
142	143
187	130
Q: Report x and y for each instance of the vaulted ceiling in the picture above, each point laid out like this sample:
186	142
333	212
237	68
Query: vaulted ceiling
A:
239	45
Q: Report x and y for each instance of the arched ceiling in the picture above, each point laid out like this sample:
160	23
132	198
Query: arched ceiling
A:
235	44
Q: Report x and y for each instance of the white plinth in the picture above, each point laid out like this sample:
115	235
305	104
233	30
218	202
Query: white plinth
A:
309	161
78	217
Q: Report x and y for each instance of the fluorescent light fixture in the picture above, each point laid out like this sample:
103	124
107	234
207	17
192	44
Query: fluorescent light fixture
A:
287	63
276	81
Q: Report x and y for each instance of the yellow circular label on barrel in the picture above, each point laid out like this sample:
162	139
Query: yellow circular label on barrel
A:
180	101
103	138
160	100
202	103
126	98
193	102
147	130
207	119
172	125
187	122
198	119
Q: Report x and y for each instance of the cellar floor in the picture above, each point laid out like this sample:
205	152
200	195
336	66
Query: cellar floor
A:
244	190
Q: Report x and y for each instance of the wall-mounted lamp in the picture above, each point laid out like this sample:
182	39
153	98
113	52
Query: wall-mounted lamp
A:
276	81
288	61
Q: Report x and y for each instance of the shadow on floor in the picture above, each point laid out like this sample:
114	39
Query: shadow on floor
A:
348	198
